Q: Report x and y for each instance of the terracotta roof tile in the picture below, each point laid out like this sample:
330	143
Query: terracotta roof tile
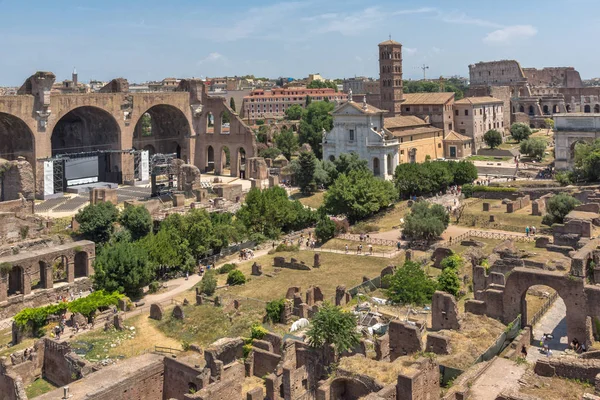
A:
403	121
456	137
427	98
478	100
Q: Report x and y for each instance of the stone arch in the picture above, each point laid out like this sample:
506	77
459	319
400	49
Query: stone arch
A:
225	121
150	149
597	109
568	108
376	166
521	108
45	280
569	288
60	266
531	110
16	280
224	159
555	109
241	162
83	129
81	264
587	108
210	159
573	146
210	123
348	389
16	139
546	109
168	126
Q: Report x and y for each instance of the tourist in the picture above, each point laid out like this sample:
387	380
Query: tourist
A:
357	249
371	249
398	244
346	249
76	326
360	248
533	230
523	351
575	344
527	231
187	275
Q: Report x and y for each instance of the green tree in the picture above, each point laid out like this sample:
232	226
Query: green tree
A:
123	267
492	138
232	104
269	212
322	85
587	161
236	277
317	118
137	220
463	172
305	177
410	285
533	147
260	122
425	178
325	229
346	163
307	101
358	195
454	262
146	124
449	282
549	123
261	135
557	208
426	221
333	326
96	221
269	152
294	112
287	142
520	131
208	284
325	173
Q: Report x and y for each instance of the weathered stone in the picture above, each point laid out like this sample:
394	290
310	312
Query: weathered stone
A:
439	254
178	312
438	344
256	269
444	312
317	260
118	322
156	311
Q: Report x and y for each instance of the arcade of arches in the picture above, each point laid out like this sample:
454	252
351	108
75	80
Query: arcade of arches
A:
162	129
43	269
16	139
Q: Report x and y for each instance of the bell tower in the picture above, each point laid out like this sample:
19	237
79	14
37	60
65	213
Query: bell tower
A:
390	77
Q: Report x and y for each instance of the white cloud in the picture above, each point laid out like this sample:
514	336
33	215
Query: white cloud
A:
464	19
508	34
422	10
212	57
436	50
409	50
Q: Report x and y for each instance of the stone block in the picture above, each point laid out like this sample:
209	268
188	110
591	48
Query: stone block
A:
542	241
444	312
273	180
199	300
255	394
486	206
178	312
492	218
405	339
178	200
382	348
118	322
543	368
317	260
256	269
439	254
292	291
342	297
156	312
438	344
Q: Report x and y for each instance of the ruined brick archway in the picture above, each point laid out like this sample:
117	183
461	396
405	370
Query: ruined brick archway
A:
84	129
81	264
16	281
210	159
16	139
165	128
569	288
241	160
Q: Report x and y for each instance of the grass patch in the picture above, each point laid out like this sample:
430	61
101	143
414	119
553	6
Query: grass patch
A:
38	388
384	372
474	216
127	343
206	323
553	388
336	269
389	219
6	351
314	200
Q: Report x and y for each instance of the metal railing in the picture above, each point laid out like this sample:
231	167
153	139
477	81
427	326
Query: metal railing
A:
369	240
545	307
166	350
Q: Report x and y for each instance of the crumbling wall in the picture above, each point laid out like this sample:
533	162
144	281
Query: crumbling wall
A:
180	378
405	338
16	180
265	362
520	202
279	262
223	352
61	366
422	383
568	367
444	312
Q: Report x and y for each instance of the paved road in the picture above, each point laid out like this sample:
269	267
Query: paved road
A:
554	322
501	375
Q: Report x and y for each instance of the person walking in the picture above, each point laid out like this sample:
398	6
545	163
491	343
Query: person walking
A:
346	249
371	249
527	231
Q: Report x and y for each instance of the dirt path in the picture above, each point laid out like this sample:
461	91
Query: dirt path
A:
554	322
501	375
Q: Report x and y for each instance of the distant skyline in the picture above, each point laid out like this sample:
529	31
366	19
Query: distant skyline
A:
152	39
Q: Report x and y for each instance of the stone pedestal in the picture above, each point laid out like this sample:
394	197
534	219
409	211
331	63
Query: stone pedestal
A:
486	206
178	200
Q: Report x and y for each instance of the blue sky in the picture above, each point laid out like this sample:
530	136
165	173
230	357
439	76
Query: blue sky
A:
151	39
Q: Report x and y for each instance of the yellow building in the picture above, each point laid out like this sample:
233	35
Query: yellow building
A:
417	138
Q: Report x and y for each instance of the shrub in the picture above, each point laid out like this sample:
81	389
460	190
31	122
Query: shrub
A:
520	131
24	231
449	281
235	277
332	325
208	285
88	305
410	285
274	309
364	227
533	147
564	178
425	221
325	229
559	206
468	190
341	225
454	262
285	247
492	138
257	332
153	287
227	268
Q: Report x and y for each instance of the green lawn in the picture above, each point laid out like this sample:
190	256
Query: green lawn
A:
314	200
38	388
388	219
474	216
488	158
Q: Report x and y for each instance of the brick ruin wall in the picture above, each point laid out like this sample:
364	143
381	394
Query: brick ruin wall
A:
517	204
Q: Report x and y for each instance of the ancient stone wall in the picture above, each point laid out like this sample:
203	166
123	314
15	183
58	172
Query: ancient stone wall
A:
444	312
496	73
180	378
517	204
279	262
222	390
231	192
405	338
16	180
265	362
16	206
61	366
223	352
538	207
570	368
422	383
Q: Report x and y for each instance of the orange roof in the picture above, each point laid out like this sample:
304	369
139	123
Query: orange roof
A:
359	106
387	42
427	98
454	136
403	121
416	131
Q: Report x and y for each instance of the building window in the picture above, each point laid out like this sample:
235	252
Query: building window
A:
411	138
462	131
407	109
456	113
466	112
351	135
450	127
